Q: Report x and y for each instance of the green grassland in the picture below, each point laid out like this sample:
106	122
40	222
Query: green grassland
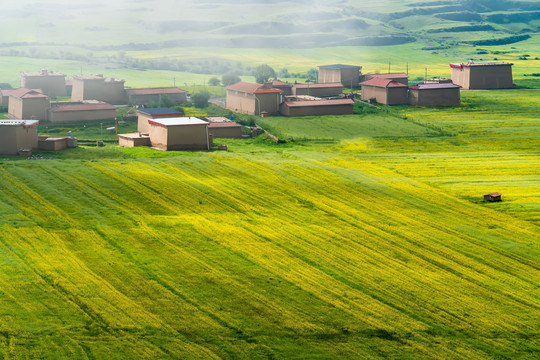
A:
375	246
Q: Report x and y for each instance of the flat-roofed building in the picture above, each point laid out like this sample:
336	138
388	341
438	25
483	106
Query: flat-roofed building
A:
97	87
146	95
433	94
253	99
51	83
17	136
347	75
28	104
143	115
320	90
483	75
134	139
399	77
185	133
228	129
71	112
317	107
385	91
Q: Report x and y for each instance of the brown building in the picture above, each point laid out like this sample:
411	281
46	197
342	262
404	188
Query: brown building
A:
281	85
253	99
434	94
493	197
347	75
4	96
96	87
179	134
385	91
49	143
146	95
28	104
82	111
134	139
225	130
144	115
317	107
53	84
399	77
320	90
484	75
17	135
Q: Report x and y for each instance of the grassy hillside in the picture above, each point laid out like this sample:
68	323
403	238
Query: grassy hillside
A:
377	246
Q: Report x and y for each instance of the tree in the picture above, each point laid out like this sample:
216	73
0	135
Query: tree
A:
214	81
229	79
283	73
312	75
263	73
200	99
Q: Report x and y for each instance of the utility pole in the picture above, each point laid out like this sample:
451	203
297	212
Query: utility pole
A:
389	66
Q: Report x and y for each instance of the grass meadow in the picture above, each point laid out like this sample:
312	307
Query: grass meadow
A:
373	245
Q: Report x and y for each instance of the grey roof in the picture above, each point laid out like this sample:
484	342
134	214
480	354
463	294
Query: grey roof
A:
339	66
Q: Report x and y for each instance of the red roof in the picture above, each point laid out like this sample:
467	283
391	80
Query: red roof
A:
386	83
224	124
155	91
24	93
494	194
318	86
83	107
333	102
7	92
251	88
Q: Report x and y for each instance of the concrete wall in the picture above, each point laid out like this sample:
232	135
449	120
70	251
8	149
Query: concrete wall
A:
84	115
30	108
183	137
316	91
483	77
370	92
51	85
241	102
14	138
226	132
387	96
434	97
345	76
316	110
247	104
132	142
146	98
99	89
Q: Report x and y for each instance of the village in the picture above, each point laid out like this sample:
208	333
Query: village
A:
96	98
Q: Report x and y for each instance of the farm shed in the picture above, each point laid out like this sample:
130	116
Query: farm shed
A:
281	85
96	87
253	99
28	104
385	91
179	134
52	84
143	115
399	77
4	96
146	95
133	139
230	129
493	197
17	135
321	90
347	75
82	111
317	107
434	94
483	75
47	143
